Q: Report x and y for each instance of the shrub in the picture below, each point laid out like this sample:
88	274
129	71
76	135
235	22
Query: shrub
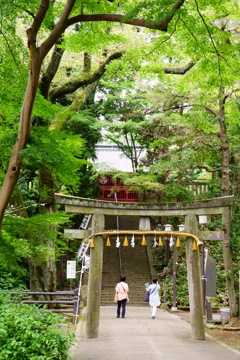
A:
28	332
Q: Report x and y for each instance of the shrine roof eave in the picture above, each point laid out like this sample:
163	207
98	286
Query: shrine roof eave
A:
78	205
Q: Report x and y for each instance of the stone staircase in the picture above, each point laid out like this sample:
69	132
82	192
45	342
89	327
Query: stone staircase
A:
135	266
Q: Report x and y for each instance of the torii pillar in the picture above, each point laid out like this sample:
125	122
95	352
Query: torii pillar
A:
194	281
95	278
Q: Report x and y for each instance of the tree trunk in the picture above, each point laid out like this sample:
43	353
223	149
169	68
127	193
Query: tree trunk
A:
225	186
228	265
225	151
13	170
43	273
226	220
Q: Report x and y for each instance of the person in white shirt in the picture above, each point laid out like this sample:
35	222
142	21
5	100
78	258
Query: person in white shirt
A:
154	298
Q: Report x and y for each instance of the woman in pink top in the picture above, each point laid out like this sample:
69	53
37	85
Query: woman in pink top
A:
122	296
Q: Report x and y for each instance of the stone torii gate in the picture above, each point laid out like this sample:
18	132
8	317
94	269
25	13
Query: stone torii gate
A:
188	210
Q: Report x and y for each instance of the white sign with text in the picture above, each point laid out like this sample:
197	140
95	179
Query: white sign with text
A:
71	269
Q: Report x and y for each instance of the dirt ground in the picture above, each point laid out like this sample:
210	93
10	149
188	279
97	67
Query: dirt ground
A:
228	337
220	333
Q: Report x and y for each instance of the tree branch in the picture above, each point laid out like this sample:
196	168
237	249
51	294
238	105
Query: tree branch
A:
177	107
86	79
206	168
38	19
51	70
120	18
219	57
210	145
179	71
79	99
211	111
58	29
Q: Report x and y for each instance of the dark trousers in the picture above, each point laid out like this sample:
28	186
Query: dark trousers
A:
121	303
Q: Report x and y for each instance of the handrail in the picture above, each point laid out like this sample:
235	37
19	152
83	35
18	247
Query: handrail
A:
74	302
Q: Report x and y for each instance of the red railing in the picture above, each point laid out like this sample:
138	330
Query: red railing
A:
122	194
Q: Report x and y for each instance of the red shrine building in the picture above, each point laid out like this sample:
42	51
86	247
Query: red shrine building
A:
111	159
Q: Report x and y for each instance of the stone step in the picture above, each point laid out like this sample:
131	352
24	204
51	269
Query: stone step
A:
135	267
135	293
130	278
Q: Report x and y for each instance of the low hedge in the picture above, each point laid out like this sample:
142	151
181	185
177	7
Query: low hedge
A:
28	332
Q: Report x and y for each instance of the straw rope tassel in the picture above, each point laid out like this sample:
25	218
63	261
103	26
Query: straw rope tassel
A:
194	245
133	241
178	244
154	241
108	243
125	243
160	243
117	242
91	243
143	240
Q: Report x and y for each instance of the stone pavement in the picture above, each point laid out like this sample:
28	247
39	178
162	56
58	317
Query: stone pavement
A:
138	337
